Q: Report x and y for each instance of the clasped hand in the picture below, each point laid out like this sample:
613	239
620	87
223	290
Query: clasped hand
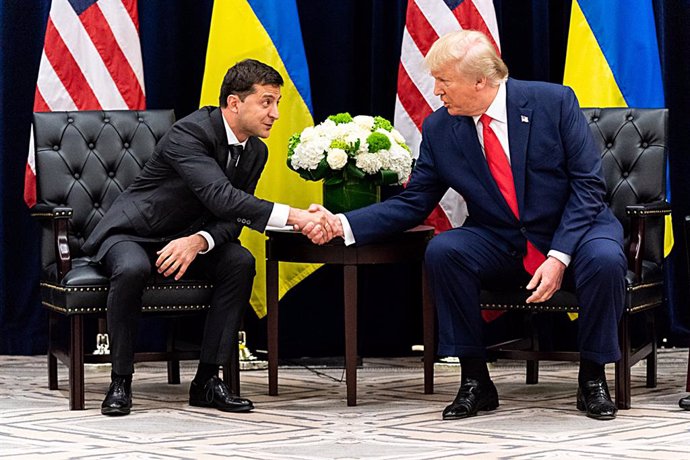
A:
317	223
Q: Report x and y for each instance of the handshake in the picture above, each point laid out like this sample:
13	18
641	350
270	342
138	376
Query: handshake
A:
317	223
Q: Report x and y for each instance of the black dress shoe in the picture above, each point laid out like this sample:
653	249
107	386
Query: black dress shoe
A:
472	397
215	393
593	397
118	400
684	403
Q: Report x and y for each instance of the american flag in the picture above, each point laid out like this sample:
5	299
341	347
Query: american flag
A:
426	21
91	60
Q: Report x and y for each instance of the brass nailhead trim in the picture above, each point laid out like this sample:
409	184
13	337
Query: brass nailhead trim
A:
100	289
151	308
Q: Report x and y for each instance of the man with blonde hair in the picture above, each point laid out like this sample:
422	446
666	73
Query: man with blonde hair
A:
522	156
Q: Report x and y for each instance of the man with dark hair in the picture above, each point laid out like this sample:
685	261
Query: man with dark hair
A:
185	211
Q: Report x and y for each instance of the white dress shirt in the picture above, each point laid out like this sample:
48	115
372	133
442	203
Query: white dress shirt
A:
499	124
279	214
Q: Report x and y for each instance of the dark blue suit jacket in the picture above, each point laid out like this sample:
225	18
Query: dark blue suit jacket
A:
556	168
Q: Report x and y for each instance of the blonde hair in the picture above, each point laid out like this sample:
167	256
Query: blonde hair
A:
471	52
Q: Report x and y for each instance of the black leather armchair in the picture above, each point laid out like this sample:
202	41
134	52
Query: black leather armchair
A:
632	143
84	160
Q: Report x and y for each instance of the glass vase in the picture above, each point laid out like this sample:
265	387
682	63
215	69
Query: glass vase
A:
349	195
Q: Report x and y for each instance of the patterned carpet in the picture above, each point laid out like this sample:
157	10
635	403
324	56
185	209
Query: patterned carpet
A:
310	419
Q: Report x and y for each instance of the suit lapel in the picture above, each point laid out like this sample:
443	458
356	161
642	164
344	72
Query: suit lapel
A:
519	125
464	130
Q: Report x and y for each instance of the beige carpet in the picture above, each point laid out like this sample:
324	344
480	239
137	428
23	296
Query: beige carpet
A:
310	420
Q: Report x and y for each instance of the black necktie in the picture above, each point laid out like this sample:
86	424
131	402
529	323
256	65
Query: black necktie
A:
235	152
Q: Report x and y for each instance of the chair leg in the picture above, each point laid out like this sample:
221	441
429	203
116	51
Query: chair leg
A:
272	325
52	360
687	378
173	364
429	321
76	363
532	366
623	365
651	358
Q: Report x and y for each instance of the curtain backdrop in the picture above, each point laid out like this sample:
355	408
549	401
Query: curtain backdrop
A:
353	50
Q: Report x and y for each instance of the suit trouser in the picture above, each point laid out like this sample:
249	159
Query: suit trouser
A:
229	266
462	260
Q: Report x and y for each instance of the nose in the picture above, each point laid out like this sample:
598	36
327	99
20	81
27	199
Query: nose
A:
274	113
437	88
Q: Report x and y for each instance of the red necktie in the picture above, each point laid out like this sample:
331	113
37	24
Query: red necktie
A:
503	175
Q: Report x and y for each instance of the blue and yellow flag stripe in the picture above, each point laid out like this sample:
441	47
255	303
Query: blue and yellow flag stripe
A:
613	55
269	31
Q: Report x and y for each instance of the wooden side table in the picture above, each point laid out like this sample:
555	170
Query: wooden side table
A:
290	246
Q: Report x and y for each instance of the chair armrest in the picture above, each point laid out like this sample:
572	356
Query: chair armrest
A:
60	216
639	214
657	208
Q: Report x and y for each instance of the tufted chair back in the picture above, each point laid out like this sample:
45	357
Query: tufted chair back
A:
633	150
84	160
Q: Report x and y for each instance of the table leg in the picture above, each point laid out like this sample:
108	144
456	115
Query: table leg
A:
429	320
350	288
272	324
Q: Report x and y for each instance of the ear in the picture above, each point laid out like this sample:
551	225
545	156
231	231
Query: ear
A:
480	83
233	102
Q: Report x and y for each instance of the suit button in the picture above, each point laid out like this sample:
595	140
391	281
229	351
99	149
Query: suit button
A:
523	230
249	221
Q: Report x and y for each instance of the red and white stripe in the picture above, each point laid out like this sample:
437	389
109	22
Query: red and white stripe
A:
426	21
90	61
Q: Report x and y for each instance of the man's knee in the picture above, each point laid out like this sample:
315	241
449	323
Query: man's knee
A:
604	257
132	271
438	250
238	258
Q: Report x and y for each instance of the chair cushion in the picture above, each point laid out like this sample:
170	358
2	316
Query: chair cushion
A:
84	290
647	293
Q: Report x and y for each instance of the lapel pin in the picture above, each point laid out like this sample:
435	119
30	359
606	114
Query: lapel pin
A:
524	119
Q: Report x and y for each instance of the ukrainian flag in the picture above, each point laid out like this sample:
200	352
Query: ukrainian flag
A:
269	31
613	61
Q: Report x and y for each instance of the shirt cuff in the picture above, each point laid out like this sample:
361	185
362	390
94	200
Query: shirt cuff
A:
209	240
348	236
279	215
563	257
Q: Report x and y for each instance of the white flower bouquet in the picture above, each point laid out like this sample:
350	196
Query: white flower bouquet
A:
343	148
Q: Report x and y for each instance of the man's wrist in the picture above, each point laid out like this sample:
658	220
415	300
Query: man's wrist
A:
204	240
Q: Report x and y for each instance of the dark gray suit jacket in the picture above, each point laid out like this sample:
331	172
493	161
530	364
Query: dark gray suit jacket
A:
184	189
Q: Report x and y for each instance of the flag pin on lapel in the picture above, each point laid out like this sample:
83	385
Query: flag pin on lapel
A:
524	119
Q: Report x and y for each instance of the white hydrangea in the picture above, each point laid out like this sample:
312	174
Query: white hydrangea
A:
400	162
370	163
309	154
336	158
385	157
